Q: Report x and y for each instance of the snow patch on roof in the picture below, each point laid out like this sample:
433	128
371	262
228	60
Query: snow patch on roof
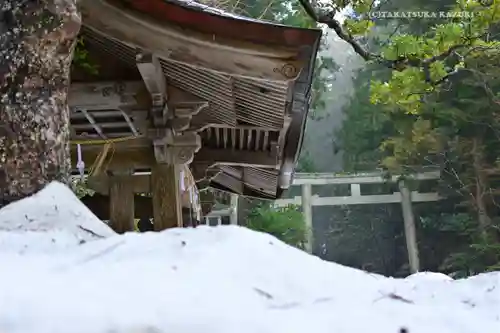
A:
212	10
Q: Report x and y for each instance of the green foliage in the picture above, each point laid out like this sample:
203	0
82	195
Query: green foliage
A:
428	95
460	223
365	236
287	224
365	126
305	163
441	84
474	254
476	258
428	60
423	55
80	187
81	58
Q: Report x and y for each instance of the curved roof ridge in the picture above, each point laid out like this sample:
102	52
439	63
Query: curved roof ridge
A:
213	10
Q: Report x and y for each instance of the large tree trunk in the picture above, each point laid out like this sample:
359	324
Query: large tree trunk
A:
37	40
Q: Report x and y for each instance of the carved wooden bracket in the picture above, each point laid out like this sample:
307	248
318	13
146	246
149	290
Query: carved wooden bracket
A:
189	109
180	124
172	145
152	74
279	145
171	148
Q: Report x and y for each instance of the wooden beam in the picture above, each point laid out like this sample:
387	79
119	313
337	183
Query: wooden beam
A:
136	120
130	123
166	196
132	144
76	114
93	123
150	68
143	157
111	95
279	145
152	73
191	46
235	157
100	204
170	148
114	95
125	125
139	184
121	204
143	206
134	159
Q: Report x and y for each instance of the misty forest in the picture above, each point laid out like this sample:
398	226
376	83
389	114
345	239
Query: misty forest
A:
400	94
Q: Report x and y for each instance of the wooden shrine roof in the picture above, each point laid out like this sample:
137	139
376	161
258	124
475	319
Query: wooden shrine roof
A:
255	77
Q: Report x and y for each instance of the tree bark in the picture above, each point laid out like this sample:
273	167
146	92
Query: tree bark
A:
37	41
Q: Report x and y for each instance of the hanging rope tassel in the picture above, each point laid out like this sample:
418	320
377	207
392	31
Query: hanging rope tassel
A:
197	205
182	182
80	165
191	207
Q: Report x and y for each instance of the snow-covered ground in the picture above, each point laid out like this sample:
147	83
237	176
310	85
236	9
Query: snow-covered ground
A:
62	270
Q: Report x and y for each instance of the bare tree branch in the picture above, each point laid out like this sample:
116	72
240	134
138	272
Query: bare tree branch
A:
332	23
398	64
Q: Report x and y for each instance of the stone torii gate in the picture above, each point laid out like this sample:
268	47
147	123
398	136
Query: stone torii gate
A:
405	197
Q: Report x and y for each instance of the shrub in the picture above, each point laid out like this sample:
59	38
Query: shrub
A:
287	224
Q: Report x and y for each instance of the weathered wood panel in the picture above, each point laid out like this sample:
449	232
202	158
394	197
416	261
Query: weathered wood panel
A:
143	206
108	95
143	157
166	196
121	208
100	204
276	62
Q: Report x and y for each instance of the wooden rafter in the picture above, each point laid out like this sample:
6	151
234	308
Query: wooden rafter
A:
152	74
129	122
94	124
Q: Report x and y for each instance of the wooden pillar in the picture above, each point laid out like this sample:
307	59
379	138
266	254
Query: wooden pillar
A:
307	212
121	207
166	196
234	209
410	230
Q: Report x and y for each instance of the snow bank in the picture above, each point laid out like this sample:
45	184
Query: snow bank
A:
52	219
212	280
